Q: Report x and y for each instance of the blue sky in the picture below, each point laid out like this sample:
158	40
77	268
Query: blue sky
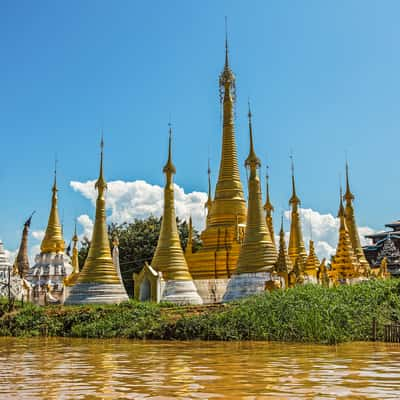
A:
323	79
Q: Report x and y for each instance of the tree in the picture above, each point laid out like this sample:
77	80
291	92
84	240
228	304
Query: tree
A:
137	244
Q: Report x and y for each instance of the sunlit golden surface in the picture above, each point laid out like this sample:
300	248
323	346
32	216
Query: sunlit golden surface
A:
96	369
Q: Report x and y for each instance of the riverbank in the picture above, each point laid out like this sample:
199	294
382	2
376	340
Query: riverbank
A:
311	314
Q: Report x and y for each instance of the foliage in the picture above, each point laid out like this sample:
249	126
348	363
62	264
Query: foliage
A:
308	313
137	243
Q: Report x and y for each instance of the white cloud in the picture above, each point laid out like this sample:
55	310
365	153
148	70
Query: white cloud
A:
10	255
139	199
38	235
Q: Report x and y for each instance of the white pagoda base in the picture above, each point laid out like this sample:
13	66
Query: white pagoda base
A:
180	292
96	293
245	285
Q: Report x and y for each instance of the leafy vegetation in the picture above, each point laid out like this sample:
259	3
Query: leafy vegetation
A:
137	244
303	314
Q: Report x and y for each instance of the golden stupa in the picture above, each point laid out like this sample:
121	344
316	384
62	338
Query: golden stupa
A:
98	282
53	241
168	257
283	265
257	255
269	209
226	213
71	279
312	264
352	226
344	265
296	242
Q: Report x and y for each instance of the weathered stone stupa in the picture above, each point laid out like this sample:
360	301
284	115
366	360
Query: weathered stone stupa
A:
257	255
52	265
213	265
178	286
98	282
10	283
21	263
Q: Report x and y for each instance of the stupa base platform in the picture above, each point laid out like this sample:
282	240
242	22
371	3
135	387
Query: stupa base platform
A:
96	293
211	290
245	285
181	292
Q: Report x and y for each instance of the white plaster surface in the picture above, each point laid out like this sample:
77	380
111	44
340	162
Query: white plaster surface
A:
96	293
181	292
211	290
244	285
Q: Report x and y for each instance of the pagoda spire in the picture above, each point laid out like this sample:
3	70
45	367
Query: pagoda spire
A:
344	263
229	191
352	225
71	279
312	262
283	264
168	257
98	282
21	263
53	241
269	208
296	242
257	253
208	203
189	246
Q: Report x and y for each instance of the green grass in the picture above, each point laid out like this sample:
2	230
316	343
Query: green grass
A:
308	313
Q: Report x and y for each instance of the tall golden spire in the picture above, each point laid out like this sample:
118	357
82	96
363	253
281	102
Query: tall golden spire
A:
71	279
296	242
21	263
229	198
99	266
189	246
269	208
283	264
257	253
168	257
53	241
344	264
352	225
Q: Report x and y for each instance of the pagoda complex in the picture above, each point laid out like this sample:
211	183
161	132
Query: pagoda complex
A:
283	265
213	265
352	226
257	256
177	284
98	282
52	265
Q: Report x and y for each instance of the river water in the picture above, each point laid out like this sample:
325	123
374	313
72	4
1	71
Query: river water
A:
122	369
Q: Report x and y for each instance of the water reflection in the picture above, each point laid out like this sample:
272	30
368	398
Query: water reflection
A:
93	369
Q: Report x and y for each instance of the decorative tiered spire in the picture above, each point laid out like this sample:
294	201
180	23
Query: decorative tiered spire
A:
344	264
21	263
257	253
53	241
283	264
70	280
352	225
296	242
312	263
229	198
269	208
168	257
99	267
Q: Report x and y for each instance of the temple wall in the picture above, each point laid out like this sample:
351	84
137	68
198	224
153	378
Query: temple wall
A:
211	290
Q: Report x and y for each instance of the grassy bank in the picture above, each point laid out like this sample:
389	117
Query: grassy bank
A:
303	314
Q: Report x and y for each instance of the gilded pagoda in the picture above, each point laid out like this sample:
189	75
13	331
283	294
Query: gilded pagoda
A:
213	265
